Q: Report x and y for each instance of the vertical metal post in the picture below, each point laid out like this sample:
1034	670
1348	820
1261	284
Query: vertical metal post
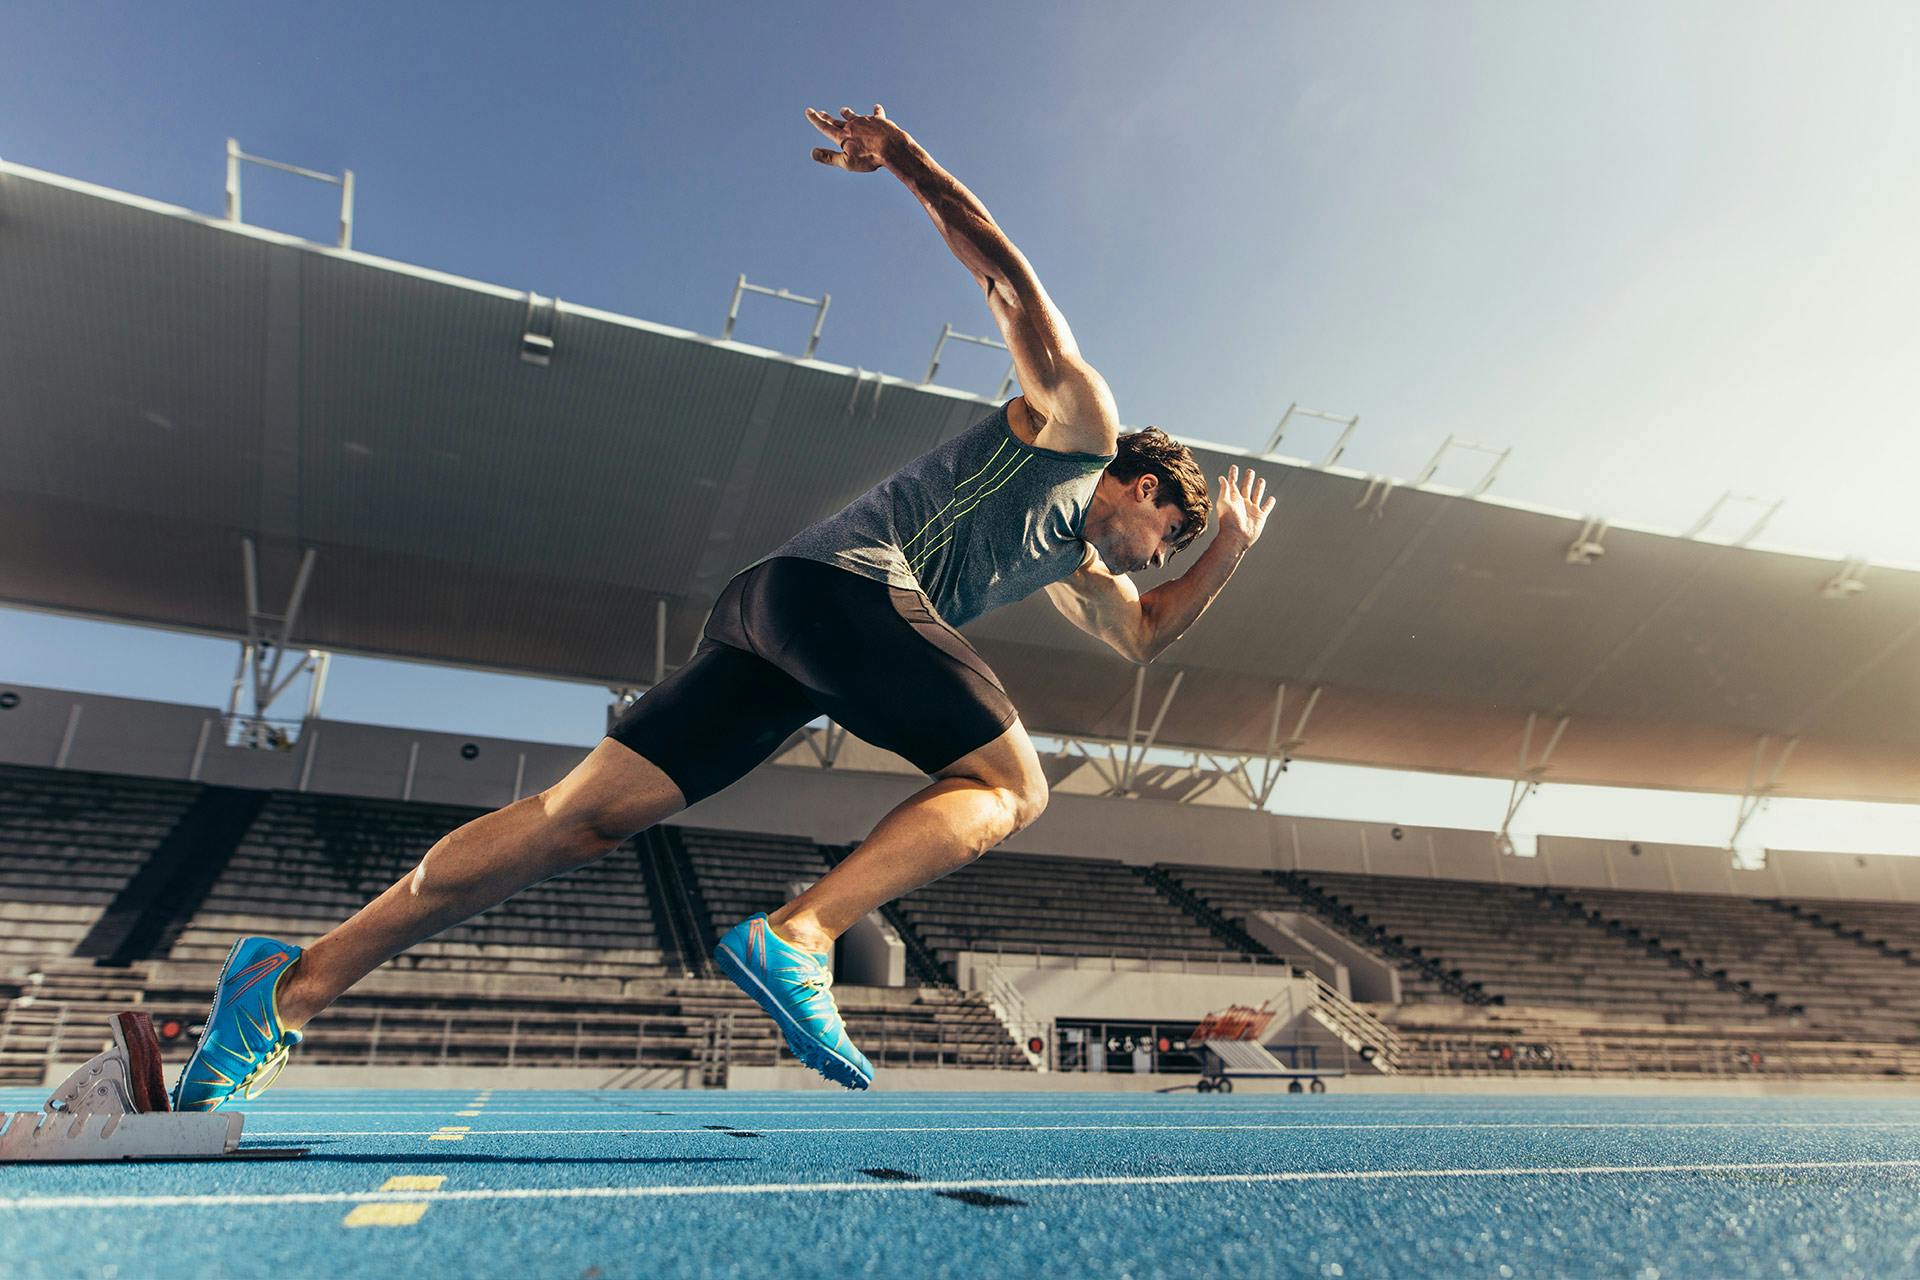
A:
346	210
733	308
933	365
413	761
659	641
233	180
819	321
520	775
66	739
320	662
199	751
310	743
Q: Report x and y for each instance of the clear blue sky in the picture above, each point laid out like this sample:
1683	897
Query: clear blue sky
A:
1661	250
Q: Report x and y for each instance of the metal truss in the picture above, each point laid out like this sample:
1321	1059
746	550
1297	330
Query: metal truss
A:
949	334
1769	507
820	305
1527	780
1754	798
1121	765
343	180
261	656
1499	457
1347	427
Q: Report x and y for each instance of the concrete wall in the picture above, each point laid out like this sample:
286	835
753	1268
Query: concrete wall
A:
1083	987
51	727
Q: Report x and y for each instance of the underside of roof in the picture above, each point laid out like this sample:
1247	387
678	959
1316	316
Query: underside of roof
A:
172	384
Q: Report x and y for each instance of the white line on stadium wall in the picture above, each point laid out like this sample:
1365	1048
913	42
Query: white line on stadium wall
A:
965	1184
1111	1128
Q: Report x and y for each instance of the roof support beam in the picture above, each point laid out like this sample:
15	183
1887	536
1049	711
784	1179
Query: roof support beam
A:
1347	426
1755	798
262	653
1527	780
1127	768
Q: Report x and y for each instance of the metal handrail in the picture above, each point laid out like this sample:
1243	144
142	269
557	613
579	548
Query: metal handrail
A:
1222	963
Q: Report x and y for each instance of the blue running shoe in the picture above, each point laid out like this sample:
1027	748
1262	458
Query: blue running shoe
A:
794	985
244	1046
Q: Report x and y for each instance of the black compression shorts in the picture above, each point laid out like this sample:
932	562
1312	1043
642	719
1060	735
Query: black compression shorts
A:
791	639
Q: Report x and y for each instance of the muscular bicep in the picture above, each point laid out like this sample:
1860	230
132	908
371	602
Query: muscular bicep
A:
1105	605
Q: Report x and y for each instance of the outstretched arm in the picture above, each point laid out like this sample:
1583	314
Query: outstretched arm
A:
1060	387
1108	606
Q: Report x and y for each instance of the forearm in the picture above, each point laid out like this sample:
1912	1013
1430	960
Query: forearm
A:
963	221
1170	608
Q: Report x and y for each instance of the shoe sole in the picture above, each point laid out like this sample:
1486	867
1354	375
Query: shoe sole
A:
828	1063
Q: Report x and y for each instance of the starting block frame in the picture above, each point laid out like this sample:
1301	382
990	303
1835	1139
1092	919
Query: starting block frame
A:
114	1107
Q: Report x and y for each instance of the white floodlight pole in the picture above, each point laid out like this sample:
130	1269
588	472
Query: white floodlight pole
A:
1294	410
343	180
821	304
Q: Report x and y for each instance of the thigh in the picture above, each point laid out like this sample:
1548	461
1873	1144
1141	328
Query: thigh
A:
879	660
1008	761
613	793
711	722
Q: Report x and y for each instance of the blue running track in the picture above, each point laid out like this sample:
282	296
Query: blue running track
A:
596	1186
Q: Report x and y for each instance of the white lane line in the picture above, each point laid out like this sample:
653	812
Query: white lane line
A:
1099	1128
23	1203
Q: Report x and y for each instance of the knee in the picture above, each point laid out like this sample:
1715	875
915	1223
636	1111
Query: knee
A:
1024	802
1033	802
580	833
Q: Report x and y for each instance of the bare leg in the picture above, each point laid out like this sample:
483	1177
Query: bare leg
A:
979	800
610	795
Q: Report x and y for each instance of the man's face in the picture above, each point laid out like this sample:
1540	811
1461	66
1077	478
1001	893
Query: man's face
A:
1143	531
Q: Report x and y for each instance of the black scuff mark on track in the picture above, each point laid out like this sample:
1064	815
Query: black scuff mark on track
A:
730	1131
982	1199
978	1199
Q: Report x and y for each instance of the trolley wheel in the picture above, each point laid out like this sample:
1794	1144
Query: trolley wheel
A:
1225	1085
1293	1086
1317	1085
1203	1085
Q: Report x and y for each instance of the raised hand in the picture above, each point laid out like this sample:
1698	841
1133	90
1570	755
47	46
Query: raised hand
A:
1243	506
860	142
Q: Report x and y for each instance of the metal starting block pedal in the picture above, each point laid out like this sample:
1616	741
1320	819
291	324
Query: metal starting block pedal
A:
115	1108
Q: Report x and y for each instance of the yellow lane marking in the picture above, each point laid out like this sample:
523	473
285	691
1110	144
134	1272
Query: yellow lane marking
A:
395	1213
449	1133
414	1182
466	1113
386	1213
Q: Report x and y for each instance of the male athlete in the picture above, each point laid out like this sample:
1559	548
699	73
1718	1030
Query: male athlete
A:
854	617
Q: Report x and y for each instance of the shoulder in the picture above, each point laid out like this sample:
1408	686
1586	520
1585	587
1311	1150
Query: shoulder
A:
1086	432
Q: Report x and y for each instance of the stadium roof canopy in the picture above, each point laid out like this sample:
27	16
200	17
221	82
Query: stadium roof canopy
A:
172	384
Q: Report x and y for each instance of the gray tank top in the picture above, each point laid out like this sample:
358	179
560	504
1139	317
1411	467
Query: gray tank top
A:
977	522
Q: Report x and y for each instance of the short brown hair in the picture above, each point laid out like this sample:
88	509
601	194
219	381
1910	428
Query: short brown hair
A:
1154	452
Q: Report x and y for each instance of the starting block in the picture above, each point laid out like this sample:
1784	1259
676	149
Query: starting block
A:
115	1108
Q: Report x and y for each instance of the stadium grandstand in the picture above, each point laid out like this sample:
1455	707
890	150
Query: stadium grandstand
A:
371	458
